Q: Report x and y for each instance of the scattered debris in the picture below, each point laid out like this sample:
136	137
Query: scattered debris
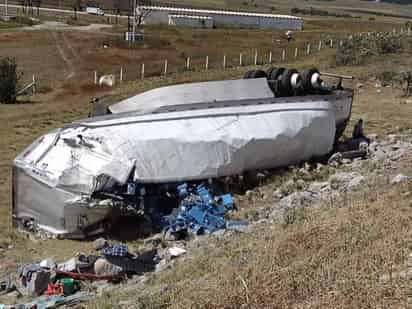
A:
176	251
199	211
107	80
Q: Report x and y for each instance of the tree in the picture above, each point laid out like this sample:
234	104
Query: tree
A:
9	80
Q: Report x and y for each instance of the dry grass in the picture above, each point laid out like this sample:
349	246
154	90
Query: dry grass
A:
334	257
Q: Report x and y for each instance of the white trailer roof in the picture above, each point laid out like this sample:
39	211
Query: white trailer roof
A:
203	92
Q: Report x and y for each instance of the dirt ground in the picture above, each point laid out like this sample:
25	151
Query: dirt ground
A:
63	62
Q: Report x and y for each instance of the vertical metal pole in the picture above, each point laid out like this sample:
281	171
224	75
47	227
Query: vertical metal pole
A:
207	63
270	57
340	43
409	31
256	57
188	63
296	52
308	49
331	43
142	75
284	55
165	71
121	74
95	77
240	59
6	6
320	45
224	61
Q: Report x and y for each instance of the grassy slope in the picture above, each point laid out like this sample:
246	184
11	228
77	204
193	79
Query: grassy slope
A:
333	257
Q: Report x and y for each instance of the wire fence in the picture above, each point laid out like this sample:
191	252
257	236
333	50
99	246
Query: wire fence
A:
293	52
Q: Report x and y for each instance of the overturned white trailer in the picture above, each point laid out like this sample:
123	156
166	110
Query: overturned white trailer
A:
168	135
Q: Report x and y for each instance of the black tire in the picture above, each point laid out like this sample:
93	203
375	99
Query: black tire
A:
258	74
286	84
270	71
276	74
247	74
307	80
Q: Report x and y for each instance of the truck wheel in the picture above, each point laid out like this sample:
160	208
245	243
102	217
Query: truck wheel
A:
311	80
291	81
270	71
247	74
256	74
276	74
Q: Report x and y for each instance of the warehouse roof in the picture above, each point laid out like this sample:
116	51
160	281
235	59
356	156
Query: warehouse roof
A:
190	16
201	11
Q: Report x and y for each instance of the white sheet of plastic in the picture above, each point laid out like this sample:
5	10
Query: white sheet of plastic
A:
191	93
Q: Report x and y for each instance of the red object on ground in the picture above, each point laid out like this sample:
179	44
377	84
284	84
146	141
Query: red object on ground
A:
54	289
90	277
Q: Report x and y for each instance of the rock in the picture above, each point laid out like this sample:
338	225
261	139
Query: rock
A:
319	187
301	184
356	182
99	243
399	179
277	194
297	199
249	194
345	180
372	137
378	155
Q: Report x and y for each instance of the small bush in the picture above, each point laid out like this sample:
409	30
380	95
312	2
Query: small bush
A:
9	80
356	50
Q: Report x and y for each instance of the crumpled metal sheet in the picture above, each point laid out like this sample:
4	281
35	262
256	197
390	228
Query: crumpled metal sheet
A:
192	93
56	175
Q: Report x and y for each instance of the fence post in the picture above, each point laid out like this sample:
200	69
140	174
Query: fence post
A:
188	63
296	52
224	61
283	55
165	70
34	88
308	49
95	77
320	45
121	74
207	63
240	59
270	57
256	57
142	73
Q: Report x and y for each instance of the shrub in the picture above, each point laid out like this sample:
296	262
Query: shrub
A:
9	79
356	50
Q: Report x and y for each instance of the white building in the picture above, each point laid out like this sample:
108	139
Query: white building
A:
155	15
190	21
